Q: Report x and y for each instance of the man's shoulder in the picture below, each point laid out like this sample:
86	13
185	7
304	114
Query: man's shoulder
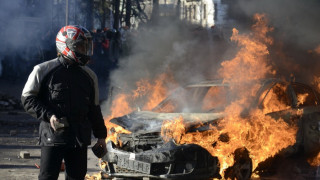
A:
47	66
90	72
49	63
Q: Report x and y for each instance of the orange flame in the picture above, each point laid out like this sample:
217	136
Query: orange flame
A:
261	135
249	63
302	98
120	107
103	164
148	94
158	91
173	130
316	82
152	93
317	50
214	98
272	103
114	130
96	176
315	161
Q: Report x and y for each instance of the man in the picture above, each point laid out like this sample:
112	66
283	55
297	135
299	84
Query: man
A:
63	94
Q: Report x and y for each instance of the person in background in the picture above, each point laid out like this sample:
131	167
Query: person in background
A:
63	94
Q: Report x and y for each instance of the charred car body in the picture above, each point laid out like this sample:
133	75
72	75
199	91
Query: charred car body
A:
144	153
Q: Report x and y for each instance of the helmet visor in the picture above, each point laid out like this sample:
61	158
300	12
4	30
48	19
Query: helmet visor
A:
84	46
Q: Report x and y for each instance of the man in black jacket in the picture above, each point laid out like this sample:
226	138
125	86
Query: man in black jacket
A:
63	94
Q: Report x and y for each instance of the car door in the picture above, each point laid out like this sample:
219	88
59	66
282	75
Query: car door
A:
307	102
277	101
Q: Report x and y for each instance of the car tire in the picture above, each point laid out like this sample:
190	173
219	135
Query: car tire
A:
242	168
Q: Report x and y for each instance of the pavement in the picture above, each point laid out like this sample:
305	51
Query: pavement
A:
19	132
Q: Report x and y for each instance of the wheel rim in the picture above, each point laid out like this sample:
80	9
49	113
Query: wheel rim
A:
243	170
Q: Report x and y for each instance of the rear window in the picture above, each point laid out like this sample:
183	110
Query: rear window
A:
195	100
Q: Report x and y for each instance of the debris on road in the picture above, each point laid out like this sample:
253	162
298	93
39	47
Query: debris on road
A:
13	132
24	154
37	165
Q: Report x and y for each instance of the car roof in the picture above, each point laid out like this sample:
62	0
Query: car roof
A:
221	82
208	83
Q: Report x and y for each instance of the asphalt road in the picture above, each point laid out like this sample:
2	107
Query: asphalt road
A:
19	132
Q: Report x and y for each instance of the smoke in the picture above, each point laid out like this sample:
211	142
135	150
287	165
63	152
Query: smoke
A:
24	29
190	55
28	30
186	52
23	23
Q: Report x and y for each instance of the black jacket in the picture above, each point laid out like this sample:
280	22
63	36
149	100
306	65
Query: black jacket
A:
69	91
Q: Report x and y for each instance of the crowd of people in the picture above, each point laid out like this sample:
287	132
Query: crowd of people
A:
106	49
109	45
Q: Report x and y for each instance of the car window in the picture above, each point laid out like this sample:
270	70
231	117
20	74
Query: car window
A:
215	99
194	99
182	100
305	95
275	99
170	104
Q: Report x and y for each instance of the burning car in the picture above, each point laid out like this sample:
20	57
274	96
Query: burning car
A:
147	152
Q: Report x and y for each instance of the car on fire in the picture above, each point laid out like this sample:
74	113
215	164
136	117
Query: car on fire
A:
144	153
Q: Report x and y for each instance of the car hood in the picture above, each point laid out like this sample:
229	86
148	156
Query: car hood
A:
147	121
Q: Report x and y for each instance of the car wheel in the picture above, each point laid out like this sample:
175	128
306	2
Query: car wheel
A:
242	168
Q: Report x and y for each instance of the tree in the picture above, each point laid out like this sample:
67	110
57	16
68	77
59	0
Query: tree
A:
104	13
116	9
89	19
155	11
128	13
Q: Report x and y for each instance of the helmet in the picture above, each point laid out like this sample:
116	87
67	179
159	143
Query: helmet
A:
75	43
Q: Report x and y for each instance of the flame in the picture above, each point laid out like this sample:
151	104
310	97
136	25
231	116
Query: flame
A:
153	93
316	82
120	107
150	93
249	63
114	131
103	164
315	161
260	134
272	103
302	98
96	176
317	50
173	129
147	93
169	107
214	98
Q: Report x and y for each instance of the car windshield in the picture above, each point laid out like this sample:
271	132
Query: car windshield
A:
194	99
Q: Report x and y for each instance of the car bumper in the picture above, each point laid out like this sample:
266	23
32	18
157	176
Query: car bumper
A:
169	162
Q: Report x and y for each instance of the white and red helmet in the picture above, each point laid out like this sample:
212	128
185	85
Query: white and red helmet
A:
75	43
